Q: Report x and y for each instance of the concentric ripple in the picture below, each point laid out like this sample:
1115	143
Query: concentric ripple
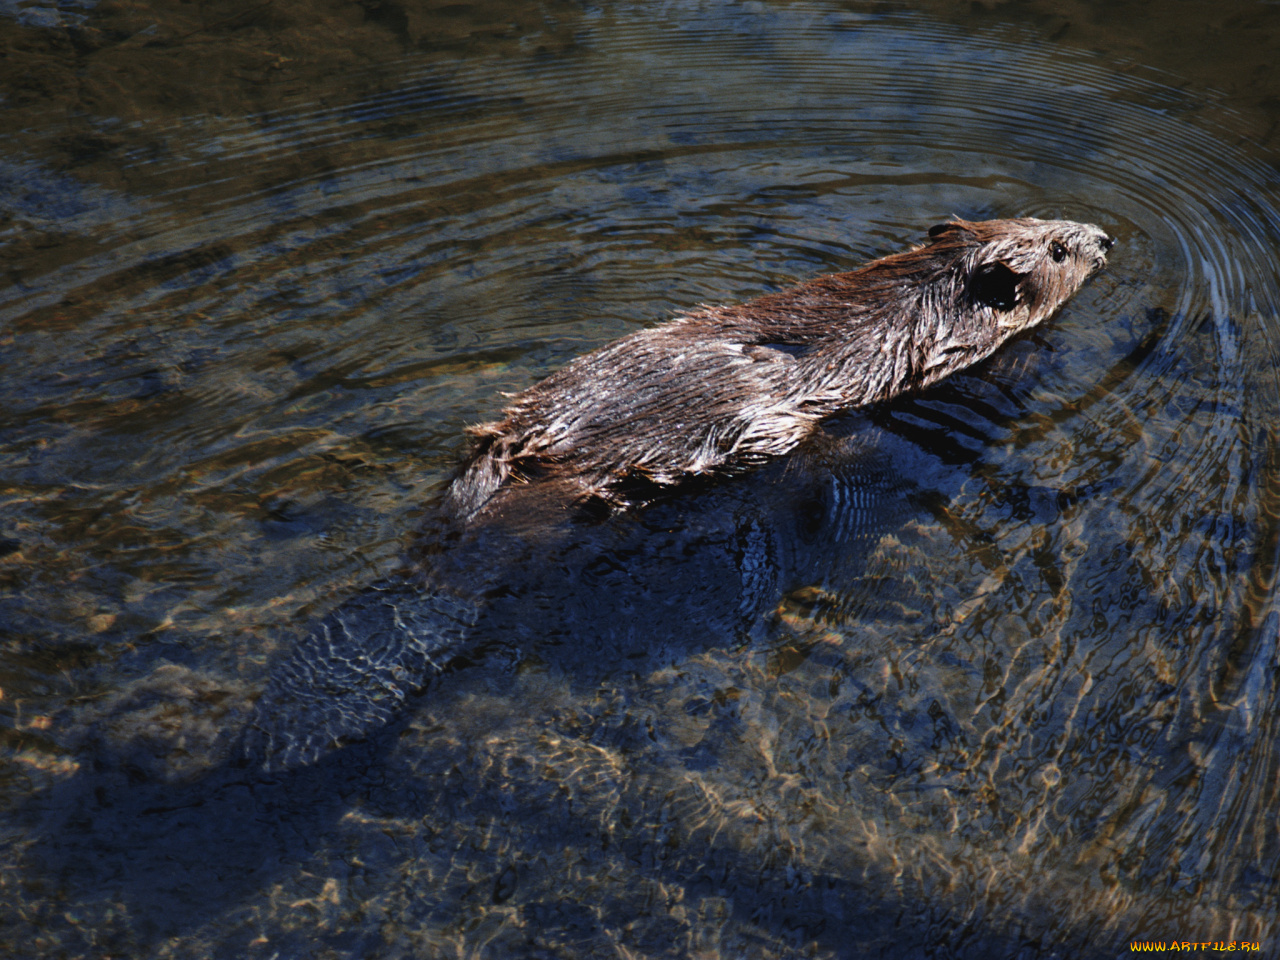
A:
239	354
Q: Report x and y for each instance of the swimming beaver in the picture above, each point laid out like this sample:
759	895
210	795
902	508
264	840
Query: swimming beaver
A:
708	394
727	387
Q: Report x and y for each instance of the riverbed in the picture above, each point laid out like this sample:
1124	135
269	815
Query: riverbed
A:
264	263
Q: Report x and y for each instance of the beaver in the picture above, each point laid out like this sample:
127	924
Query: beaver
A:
708	395
725	388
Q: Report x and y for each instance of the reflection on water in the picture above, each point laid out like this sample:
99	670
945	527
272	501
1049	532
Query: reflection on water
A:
1033	715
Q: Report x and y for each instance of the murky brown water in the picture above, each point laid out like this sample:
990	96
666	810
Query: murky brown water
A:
264	262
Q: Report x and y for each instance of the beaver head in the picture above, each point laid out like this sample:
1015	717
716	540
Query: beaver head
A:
725	387
949	303
1024	269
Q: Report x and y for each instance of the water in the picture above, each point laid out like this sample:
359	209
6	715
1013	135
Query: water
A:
259	281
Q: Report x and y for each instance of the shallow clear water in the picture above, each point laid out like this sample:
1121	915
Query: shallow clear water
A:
258	282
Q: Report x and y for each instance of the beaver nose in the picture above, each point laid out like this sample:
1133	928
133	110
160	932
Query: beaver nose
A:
1106	243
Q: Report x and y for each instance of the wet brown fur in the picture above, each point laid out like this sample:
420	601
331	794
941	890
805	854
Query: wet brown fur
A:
727	387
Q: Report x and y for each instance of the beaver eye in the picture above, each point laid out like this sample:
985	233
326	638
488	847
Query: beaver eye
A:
1058	252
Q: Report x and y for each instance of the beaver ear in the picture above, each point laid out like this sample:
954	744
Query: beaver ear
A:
951	226
994	285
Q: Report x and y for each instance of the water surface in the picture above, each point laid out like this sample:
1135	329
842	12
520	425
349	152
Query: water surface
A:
258	282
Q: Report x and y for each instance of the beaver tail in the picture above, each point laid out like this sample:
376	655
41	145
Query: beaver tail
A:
351	675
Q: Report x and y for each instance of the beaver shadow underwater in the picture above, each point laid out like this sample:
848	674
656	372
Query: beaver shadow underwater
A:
582	598
517	567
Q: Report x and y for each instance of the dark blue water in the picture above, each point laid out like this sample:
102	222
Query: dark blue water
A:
1029	711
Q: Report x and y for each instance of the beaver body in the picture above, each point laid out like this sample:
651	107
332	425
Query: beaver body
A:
707	395
728	387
